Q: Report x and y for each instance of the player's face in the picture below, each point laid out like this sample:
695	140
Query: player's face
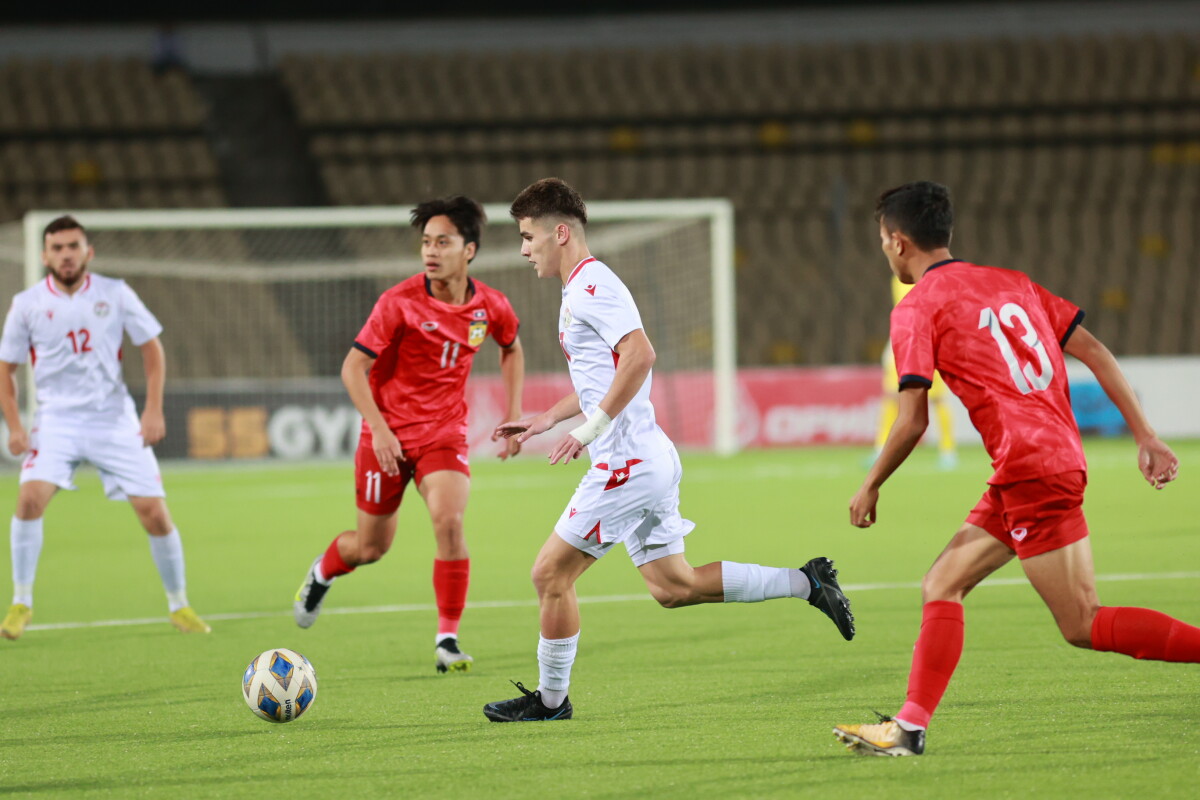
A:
443	250
66	254
539	244
892	246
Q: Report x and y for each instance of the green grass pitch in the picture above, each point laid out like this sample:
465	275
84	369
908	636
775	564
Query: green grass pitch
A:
724	701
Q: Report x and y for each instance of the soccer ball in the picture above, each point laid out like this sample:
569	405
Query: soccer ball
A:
279	685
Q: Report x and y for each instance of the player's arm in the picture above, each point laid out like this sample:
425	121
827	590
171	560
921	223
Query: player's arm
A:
354	376
523	429
908	429
1158	464
154	363
18	439
512	375
636	359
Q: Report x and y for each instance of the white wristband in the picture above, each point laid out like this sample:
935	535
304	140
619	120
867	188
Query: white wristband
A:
596	423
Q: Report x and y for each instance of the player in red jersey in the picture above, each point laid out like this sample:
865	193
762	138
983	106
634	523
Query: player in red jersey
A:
998	340
407	375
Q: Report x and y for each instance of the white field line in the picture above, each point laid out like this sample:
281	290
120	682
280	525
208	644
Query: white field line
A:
849	588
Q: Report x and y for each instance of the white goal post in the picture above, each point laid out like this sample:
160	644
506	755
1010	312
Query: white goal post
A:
228	277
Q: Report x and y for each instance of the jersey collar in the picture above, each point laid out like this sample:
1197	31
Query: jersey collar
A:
932	267
580	266
87	282
470	289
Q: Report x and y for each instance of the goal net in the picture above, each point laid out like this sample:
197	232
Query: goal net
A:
260	306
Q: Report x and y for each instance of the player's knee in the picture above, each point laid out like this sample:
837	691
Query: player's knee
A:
29	508
1079	631
934	588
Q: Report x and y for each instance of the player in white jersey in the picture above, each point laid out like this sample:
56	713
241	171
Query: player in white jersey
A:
70	326
631	493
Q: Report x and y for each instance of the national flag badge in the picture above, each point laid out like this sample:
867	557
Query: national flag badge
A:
477	333
480	313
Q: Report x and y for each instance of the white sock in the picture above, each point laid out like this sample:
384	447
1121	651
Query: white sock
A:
320	576
753	583
168	557
555	658
908	726
25	536
441	636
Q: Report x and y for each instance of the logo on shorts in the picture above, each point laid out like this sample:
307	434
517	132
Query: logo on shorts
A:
461	457
429	326
620	475
1019	534
572	512
595	530
101	309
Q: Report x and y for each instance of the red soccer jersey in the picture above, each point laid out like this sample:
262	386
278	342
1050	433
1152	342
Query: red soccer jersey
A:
423	350
997	338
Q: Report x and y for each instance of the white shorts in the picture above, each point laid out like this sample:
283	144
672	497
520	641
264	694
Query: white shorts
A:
127	467
636	503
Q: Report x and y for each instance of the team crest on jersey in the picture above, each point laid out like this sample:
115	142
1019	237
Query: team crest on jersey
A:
567	319
477	333
101	309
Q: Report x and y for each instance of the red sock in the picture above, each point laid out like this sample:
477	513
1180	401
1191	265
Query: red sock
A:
1143	633
332	564
450	580
935	656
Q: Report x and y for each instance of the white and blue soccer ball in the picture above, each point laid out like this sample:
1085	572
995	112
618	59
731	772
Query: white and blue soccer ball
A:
279	685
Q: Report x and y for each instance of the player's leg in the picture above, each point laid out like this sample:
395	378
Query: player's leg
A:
378	497
371	538
971	556
1065	579
555	570
443	479
166	548
25	538
947	452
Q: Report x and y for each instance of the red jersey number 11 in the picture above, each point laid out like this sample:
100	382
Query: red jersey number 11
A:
1024	376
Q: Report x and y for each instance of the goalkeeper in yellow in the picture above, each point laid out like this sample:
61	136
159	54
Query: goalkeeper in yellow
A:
890	407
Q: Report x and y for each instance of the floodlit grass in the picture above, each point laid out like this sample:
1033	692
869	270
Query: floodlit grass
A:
728	701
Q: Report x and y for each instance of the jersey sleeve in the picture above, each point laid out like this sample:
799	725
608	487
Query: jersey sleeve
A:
140	324
1064	315
912	345
385	325
505	323
610	312
15	344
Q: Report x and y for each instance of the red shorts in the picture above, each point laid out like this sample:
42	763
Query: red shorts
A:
378	493
1034	517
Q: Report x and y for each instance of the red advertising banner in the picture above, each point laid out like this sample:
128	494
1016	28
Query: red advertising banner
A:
777	407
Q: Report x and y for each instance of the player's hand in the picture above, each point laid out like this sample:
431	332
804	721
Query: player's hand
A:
523	429
862	507
18	441
567	450
1158	464
511	446
154	428
388	451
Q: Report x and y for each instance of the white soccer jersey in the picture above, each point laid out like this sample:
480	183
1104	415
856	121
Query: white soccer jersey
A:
74	342
597	311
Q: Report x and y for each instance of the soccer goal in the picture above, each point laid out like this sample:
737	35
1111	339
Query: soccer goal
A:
260	306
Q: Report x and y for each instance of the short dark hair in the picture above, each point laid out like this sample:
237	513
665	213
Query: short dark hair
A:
64	223
922	211
549	197
466	214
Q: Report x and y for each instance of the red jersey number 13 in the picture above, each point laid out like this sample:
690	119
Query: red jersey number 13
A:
1024	376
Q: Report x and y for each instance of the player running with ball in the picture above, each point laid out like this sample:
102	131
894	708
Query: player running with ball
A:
631	493
407	375
998	340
